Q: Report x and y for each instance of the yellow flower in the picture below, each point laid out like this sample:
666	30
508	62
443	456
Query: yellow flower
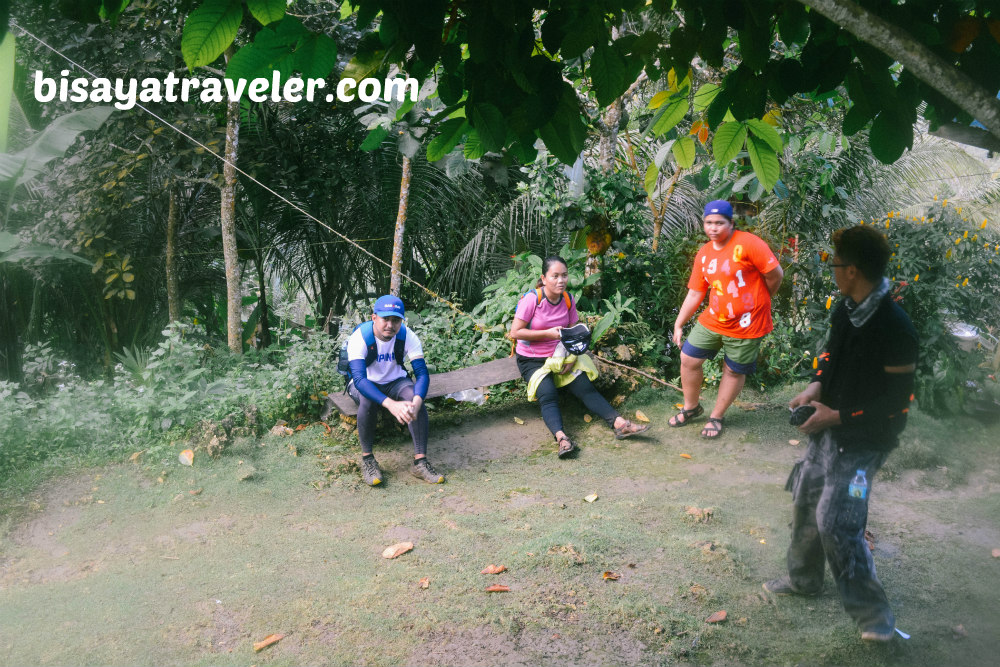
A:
829	301
887	224
944	203
621	255
815	363
983	226
957	241
916	277
923	218
890	214
957	285
966	235
975	237
935	197
947	255
965	283
959	209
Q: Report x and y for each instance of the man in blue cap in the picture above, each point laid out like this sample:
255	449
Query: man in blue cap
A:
375	351
741	274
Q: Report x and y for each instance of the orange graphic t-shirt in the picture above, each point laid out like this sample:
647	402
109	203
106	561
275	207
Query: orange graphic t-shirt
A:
739	305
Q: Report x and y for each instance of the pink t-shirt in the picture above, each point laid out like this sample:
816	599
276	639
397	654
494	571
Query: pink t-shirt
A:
543	315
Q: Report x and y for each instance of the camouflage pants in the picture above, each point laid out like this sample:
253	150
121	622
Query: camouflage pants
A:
828	526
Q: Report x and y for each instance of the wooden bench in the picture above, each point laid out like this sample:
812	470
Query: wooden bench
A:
481	375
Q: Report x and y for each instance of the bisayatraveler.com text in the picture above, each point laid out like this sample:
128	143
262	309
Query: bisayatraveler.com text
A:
126	93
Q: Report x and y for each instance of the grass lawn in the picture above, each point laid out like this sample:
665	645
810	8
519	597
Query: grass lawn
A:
158	563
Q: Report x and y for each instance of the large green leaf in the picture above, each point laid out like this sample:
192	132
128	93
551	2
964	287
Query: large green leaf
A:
762	130
449	134
704	96
728	141
490	125
6	86
267	11
565	135
473	148
684	152
41	252
316	56
652	176
375	138
793	24
209	30
672	114
764	161
609	73
890	136
52	143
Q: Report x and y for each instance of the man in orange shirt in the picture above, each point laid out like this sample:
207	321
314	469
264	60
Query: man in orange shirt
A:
741	275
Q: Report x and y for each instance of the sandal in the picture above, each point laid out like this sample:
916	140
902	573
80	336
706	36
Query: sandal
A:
684	416
566	447
713	428
628	429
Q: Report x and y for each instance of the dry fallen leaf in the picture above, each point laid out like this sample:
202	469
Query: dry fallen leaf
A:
679	406
195	492
612	576
641	416
397	549
425	582
588	418
717	617
518	420
186	457
960	631
493	569
793	443
685	456
267	641
135	457
497	588
591	498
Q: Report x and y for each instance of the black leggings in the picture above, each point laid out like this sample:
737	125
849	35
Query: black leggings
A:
548	395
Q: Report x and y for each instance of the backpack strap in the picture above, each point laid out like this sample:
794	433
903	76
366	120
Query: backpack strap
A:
368	334
539	295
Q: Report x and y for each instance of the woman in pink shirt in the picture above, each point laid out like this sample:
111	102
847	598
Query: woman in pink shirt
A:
539	317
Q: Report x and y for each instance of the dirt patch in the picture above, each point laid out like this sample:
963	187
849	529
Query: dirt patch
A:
459	504
473	442
59	505
485	646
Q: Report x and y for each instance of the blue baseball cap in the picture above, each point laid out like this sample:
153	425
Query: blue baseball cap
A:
389	306
719	207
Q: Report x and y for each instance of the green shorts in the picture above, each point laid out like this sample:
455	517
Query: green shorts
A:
740	353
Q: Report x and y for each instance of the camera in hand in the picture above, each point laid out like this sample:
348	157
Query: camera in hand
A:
801	414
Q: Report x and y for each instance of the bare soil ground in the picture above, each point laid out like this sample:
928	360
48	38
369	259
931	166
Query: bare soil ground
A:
164	564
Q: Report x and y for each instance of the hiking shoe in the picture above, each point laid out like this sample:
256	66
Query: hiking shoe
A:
783	586
422	469
370	472
876	636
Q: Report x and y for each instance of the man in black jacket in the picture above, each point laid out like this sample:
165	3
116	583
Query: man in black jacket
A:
861	393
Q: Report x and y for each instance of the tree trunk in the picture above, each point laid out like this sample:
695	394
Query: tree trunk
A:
234	302
920	61
396	278
264	340
11	368
608	145
658	214
173	286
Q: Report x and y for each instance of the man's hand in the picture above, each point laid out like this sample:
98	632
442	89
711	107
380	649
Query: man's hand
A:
807	396
415	404
822	419
678	334
401	410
